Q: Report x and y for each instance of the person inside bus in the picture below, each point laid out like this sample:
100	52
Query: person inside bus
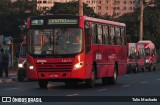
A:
48	45
77	43
61	47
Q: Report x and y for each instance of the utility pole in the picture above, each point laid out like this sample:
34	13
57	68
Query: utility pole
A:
80	7
141	20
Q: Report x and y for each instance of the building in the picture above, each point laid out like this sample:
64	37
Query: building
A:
47	4
112	7
101	7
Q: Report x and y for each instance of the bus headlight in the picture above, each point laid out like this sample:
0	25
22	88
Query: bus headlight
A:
147	61
78	66
20	65
31	67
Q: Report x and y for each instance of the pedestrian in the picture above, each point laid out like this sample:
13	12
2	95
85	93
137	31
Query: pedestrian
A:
1	63
5	64
4	58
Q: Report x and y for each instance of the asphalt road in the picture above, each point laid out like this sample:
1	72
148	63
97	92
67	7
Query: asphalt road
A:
130	85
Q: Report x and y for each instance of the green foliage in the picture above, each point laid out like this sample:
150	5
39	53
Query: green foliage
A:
151	25
13	16
71	8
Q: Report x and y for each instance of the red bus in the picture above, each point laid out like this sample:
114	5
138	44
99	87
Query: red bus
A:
136	57
151	55
132	64
71	49
141	56
21	72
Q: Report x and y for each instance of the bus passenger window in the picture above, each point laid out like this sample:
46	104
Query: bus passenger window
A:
123	36
94	33
105	33
111	35
118	39
99	34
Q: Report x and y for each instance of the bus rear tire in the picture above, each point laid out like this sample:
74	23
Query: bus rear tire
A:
113	80
20	79
43	83
104	80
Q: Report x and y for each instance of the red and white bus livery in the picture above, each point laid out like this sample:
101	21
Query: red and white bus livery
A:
151	55
71	48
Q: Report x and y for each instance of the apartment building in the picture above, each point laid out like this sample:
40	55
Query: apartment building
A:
101	7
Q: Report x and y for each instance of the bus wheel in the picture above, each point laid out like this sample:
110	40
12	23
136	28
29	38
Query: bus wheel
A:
113	80
20	79
91	82
150	69
154	68
104	80
143	69
70	83
43	83
136	70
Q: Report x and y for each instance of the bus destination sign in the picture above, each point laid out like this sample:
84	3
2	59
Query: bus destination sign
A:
37	22
62	21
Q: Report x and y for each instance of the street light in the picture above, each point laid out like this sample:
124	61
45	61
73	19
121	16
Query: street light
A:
141	16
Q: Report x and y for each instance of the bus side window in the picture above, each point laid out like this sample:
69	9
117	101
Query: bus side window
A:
118	39
94	33
123	36
99	34
88	36
111	35
105	33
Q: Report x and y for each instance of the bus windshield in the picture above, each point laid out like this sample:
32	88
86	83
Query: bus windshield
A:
55	41
23	50
147	51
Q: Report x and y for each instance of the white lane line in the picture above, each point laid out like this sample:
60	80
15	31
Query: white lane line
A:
11	88
144	82
73	95
102	90
126	85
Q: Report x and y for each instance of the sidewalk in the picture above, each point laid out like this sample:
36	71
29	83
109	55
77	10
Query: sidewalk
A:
12	75
12	72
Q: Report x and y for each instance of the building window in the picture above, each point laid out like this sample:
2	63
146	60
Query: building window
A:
106	1
99	7
44	2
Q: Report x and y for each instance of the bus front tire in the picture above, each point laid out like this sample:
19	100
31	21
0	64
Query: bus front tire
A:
43	83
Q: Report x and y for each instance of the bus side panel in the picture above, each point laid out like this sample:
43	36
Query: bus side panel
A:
105	58
122	60
31	74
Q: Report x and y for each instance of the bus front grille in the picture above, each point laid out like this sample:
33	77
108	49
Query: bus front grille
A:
54	67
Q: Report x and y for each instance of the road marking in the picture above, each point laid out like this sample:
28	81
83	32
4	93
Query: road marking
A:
158	79
102	89
126	85
144	82
12	89
73	95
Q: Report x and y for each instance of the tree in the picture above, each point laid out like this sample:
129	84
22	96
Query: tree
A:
13	16
151	24
71	8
